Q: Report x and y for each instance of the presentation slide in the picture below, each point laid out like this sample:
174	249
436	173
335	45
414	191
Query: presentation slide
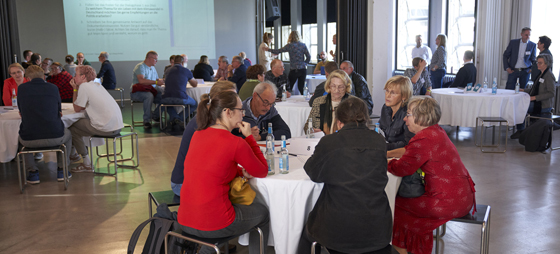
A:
128	29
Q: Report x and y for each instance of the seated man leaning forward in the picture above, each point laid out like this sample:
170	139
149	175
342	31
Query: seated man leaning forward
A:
176	90
146	87
259	111
41	124
419	76
104	116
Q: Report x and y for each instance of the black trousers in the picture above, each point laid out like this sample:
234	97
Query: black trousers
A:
299	75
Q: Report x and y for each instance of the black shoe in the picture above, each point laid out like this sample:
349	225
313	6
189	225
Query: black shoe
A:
147	125
516	135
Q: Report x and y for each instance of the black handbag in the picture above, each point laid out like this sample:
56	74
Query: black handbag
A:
412	186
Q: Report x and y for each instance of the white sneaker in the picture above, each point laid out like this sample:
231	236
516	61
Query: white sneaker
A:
38	156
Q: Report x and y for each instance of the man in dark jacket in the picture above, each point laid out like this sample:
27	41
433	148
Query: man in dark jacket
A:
106	71
467	73
359	84
237	72
259	111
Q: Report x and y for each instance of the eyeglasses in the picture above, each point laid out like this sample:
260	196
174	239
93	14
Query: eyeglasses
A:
17	72
408	115
391	92
338	88
266	103
240	109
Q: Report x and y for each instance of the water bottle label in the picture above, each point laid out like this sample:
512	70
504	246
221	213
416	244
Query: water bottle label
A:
281	163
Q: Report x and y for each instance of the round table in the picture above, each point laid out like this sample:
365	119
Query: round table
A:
10	121
294	111
462	109
314	80
290	198
200	89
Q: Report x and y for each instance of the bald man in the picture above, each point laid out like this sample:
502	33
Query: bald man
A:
277	77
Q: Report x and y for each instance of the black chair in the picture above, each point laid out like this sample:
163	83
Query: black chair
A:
211	242
481	217
159	197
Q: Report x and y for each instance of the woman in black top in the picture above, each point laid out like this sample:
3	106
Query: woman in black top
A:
398	91
352	214
203	70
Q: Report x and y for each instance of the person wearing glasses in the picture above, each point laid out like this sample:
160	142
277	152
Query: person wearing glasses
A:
398	91
17	77
214	159
338	88
260	110
449	189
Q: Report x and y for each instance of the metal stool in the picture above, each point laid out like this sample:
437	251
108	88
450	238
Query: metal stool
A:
211	242
121	90
27	150
114	154
158	197
135	123
314	245
163	118
481	217
551	118
482	120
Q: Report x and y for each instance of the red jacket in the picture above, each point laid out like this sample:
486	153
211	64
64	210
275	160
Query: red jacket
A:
10	84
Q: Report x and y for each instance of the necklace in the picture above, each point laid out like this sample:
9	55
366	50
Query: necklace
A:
224	127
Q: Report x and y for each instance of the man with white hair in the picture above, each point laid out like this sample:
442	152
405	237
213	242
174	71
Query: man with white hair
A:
259	111
359	84
106	72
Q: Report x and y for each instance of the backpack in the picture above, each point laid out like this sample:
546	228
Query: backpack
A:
537	137
162	222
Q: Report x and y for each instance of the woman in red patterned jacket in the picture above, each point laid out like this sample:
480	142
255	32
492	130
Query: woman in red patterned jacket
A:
449	187
61	79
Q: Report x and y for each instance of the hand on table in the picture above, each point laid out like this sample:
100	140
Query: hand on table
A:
316	130
288	94
256	133
160	82
245	128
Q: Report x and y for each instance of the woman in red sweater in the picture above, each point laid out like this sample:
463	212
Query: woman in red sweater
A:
17	78
214	157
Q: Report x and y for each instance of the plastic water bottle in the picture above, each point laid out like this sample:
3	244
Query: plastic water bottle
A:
495	86
306	92
270	150
14	98
485	85
284	93
517	86
377	127
284	160
309	131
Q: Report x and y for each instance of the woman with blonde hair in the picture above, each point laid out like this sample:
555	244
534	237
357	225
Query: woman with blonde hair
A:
203	70
449	189
439	60
265	57
17	77
398	91
177	174
299	58
338	87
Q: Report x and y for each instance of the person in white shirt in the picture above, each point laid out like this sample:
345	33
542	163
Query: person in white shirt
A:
104	116
421	51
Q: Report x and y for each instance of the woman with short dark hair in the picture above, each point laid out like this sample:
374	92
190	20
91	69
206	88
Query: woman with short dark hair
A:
352	214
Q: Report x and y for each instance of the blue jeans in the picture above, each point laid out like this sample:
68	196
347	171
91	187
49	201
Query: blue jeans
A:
176	188
246	218
147	99
543	113
512	79
437	78
178	101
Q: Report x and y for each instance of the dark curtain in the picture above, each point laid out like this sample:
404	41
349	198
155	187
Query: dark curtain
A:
352	33
9	41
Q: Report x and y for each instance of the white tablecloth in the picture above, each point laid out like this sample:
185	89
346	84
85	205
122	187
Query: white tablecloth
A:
458	109
314	80
9	129
294	111
196	92
290	198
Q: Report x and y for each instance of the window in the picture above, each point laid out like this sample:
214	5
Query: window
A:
461	25
309	37
543	17
412	20
331	31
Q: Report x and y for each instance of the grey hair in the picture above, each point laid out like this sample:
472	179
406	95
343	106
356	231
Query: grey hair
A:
350	64
238	58
469	55
224	59
104	54
242	55
263	86
547	58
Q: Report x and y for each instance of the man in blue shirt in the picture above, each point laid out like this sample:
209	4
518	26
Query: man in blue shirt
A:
106	72
518	59
146	87
237	72
176	90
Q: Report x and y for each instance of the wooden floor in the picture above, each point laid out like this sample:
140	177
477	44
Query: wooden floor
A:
98	215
